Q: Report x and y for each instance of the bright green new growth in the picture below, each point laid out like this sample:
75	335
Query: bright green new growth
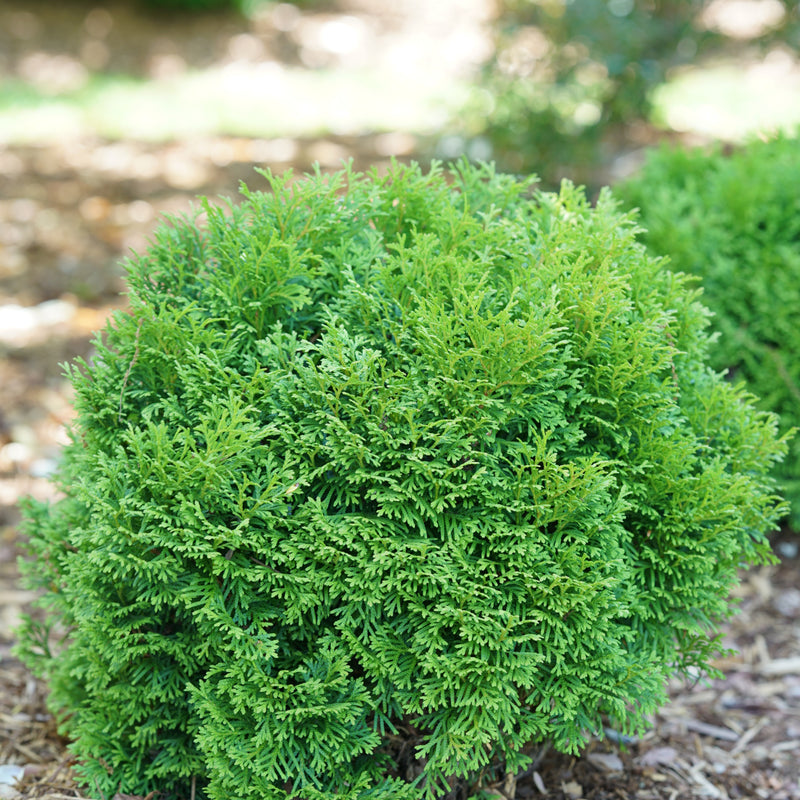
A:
375	459
735	222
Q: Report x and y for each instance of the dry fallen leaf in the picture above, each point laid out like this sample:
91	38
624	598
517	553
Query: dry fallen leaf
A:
572	789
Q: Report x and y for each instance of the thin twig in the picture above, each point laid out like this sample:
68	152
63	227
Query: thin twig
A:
51	779
99	790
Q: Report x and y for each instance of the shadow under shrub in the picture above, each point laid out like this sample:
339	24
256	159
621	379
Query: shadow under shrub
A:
375	460
735	222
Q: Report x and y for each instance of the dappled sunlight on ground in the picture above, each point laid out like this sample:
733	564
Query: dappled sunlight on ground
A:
741	95
732	100
743	19
353	68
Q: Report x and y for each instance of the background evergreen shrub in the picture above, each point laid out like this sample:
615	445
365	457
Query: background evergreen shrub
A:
378	469
735	221
566	79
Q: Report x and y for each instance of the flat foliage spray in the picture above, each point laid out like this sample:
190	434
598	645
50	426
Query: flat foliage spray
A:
381	479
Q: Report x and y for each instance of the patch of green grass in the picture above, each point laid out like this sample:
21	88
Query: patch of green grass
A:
730	101
251	100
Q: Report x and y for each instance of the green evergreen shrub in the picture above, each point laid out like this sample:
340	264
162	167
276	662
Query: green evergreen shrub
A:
389	473
735	222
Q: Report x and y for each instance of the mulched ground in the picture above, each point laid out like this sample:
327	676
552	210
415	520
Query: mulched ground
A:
738	737
68	213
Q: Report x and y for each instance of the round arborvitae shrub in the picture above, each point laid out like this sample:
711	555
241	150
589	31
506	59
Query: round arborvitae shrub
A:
382	479
735	222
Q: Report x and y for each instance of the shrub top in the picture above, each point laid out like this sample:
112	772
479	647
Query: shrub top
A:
735	222
382	478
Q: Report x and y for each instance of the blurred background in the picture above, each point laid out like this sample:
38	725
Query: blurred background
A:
114	113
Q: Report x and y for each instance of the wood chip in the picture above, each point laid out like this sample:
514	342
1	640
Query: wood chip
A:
769	689
30	755
56	796
17	596
708	788
609	762
781	666
539	783
657	756
791	744
700	698
762	651
748	736
704	729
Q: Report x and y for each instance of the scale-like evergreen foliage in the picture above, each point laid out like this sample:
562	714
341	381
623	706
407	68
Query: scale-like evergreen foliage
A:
735	222
374	457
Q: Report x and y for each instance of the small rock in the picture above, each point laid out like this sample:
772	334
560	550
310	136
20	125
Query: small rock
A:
788	549
43	467
620	738
787	603
572	790
9	775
